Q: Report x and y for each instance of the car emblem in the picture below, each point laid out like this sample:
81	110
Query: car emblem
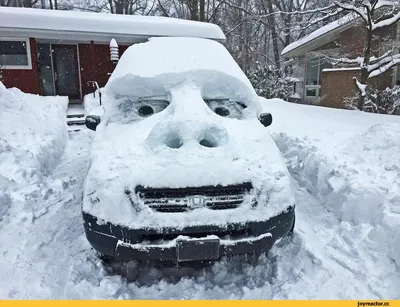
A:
195	202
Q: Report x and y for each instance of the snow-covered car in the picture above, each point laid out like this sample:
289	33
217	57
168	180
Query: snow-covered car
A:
182	167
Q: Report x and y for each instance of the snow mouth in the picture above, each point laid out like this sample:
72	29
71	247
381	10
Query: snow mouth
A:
190	198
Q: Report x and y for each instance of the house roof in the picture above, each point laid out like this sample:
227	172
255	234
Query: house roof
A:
98	27
319	37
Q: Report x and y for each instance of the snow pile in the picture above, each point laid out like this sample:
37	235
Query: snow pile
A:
167	149
354	171
92	105
33	135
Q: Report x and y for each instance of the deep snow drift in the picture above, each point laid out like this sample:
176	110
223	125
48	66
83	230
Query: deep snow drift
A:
33	136
351	165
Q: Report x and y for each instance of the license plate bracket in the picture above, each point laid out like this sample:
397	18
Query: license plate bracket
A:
197	249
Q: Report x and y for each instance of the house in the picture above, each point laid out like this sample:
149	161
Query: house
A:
321	83
51	52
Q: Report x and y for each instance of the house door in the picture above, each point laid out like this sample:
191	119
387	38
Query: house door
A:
66	73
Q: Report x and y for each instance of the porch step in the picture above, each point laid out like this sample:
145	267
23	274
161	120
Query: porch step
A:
74	123
75	120
75	115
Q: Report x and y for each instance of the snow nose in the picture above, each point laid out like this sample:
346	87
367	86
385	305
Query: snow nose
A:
213	137
175	138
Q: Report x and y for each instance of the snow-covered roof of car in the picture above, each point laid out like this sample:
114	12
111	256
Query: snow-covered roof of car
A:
165	61
98	27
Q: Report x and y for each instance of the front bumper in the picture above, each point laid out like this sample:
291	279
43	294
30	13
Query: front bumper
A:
196	243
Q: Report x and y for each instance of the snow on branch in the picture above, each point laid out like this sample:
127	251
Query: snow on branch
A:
361	87
386	22
367	9
381	69
353	8
374	65
358	60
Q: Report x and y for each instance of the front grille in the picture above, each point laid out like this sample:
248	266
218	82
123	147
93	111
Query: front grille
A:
185	199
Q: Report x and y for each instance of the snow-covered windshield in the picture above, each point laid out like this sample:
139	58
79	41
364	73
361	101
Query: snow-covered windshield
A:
141	83
131	109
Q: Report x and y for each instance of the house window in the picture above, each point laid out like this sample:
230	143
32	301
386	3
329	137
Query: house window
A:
314	68
15	54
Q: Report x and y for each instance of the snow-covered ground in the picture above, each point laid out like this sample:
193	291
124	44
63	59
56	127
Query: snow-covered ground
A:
346	244
350	161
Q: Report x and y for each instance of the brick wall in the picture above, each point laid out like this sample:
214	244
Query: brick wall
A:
336	85
95	64
339	84
351	41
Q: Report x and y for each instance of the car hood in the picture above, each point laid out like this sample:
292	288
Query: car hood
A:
124	156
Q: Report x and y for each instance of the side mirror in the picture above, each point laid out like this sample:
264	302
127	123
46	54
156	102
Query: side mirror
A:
266	119
92	121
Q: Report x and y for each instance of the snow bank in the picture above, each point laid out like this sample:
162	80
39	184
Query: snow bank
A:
92	104
33	135
354	170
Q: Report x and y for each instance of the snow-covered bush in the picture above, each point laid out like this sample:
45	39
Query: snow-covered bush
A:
270	83
389	100
382	102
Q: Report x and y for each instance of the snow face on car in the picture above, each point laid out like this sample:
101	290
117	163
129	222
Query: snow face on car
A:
187	119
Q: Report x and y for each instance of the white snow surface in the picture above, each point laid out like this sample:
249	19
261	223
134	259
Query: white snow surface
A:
33	136
351	165
341	69
107	24
143	69
341	249
129	151
91	104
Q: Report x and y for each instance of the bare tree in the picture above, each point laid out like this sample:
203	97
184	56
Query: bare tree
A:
19	3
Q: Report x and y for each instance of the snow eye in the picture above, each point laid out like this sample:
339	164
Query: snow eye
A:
132	109
146	108
221	111
145	111
226	107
